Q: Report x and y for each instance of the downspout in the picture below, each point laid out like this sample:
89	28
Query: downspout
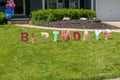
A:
43	4
92	4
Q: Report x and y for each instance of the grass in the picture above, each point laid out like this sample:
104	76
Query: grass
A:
63	60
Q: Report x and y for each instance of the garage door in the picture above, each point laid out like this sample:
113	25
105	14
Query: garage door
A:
108	9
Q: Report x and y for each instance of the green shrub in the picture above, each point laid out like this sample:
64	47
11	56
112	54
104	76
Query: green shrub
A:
2	17
39	16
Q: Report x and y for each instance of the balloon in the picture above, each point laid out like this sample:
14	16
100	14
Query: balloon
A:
107	33
10	9
55	35
97	32
9	14
108	30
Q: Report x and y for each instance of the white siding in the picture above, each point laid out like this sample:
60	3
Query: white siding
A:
108	9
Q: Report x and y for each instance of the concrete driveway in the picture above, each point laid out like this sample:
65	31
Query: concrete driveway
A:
113	79
114	23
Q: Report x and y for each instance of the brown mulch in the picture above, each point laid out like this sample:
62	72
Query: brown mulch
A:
79	24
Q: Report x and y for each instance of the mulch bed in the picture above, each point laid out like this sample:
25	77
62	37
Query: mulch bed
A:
79	24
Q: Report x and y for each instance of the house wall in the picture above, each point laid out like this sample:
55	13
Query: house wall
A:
94	4
87	4
27	6
2	5
35	4
2	8
108	10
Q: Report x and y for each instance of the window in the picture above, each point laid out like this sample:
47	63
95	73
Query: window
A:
73	4
52	3
60	4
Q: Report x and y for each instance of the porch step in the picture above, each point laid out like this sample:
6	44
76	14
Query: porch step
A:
19	21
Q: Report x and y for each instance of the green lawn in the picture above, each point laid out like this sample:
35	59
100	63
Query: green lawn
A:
63	60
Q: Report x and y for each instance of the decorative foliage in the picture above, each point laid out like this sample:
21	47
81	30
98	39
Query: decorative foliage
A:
2	17
40	16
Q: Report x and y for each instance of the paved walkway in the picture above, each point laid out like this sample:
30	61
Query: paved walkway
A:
70	29
114	23
113	79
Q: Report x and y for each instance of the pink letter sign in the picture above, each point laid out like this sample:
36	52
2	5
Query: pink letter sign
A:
65	35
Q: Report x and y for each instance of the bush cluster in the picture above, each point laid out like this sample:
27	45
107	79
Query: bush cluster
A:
39	16
2	18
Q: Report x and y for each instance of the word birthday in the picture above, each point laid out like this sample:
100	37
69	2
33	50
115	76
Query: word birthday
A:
65	35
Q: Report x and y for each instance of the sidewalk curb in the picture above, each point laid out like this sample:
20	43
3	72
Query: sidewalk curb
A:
70	29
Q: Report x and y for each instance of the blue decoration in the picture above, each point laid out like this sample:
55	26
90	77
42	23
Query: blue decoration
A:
97	32
9	11
55	35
